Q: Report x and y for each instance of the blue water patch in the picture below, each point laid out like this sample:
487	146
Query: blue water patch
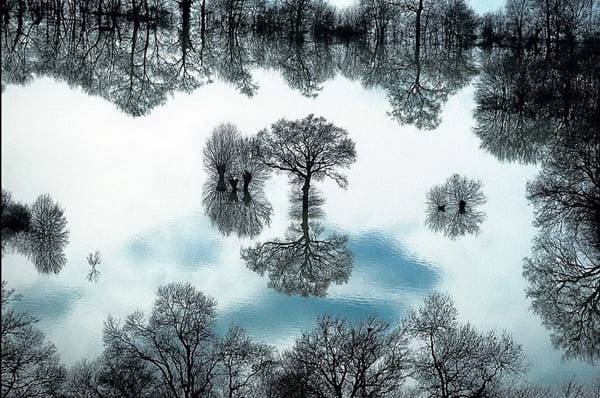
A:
384	261
379	262
186	243
46	301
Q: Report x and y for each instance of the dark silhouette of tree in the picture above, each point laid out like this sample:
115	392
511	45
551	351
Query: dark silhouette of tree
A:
307	148
304	262
176	352
93	260
220	151
29	365
243	365
344	359
566	194
175	341
511	120
47	236
15	218
304	66
115	373
564	269
455	360
452	208
564	284
39	232
569	389
249	164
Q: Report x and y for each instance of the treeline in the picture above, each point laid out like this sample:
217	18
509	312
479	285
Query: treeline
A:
175	351
449	22
420	22
137	67
545	109
547	22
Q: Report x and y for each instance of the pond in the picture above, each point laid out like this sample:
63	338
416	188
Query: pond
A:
120	146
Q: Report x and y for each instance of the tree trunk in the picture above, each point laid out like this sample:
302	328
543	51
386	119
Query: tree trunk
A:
247	179
221	187
202	21
418	29
233	182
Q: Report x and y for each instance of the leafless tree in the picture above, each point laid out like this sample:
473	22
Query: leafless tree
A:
455	360
176	341
453	208
307	148
344	359
564	284
220	151
304	262
245	216
93	260
29	365
248	162
243	365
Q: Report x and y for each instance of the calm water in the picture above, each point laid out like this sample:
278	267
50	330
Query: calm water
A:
132	188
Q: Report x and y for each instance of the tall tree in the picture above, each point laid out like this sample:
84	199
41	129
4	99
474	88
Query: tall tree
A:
176	341
454	360
345	360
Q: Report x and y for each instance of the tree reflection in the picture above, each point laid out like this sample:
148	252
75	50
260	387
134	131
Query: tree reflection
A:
564	269
137	61
245	216
527	101
453	208
39	232
93	260
543	107
305	261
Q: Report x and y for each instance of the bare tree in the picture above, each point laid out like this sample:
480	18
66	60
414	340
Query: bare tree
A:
93	260
248	162
455	360
564	269
564	277
243	365
29	365
344	359
40	233
307	148
176	341
220	151
452	208
246	216
305	262
15	218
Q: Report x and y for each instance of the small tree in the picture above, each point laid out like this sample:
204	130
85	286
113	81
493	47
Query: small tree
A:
249	163
220	151
243	365
453	208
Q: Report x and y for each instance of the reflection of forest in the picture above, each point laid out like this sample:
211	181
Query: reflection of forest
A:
544	107
136	64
